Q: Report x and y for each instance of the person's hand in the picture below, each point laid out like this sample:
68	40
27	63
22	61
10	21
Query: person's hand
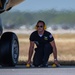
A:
28	63
57	63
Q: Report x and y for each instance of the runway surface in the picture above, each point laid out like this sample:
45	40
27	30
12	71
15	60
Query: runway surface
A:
22	70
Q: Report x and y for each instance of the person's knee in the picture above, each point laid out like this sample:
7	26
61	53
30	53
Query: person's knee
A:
48	48
36	64
48	45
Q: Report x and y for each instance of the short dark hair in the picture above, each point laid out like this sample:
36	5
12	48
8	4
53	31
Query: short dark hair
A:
41	21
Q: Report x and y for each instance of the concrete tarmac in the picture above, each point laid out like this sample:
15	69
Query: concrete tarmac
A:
22	70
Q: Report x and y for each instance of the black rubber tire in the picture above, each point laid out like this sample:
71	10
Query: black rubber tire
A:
9	49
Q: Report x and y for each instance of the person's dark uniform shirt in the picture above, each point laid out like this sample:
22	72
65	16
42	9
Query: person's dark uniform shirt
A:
39	40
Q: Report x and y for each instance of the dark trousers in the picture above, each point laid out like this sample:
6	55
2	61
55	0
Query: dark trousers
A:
41	55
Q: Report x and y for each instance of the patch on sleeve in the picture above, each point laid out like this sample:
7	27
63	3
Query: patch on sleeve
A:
50	36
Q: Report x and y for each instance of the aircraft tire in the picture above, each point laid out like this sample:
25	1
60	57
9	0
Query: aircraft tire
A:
9	49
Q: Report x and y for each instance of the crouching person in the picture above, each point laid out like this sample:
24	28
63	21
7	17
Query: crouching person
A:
45	46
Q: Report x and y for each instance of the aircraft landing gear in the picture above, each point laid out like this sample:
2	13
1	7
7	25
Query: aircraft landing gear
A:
9	49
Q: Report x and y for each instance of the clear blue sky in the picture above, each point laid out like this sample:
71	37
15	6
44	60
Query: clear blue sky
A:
36	5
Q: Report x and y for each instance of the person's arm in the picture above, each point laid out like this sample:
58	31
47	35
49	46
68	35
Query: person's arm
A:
54	52
31	48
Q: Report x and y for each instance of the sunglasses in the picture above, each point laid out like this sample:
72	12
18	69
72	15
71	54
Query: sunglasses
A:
39	26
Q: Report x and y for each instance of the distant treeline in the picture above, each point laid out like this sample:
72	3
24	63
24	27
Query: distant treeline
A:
51	17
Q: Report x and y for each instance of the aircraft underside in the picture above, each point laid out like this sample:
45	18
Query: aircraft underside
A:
6	5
